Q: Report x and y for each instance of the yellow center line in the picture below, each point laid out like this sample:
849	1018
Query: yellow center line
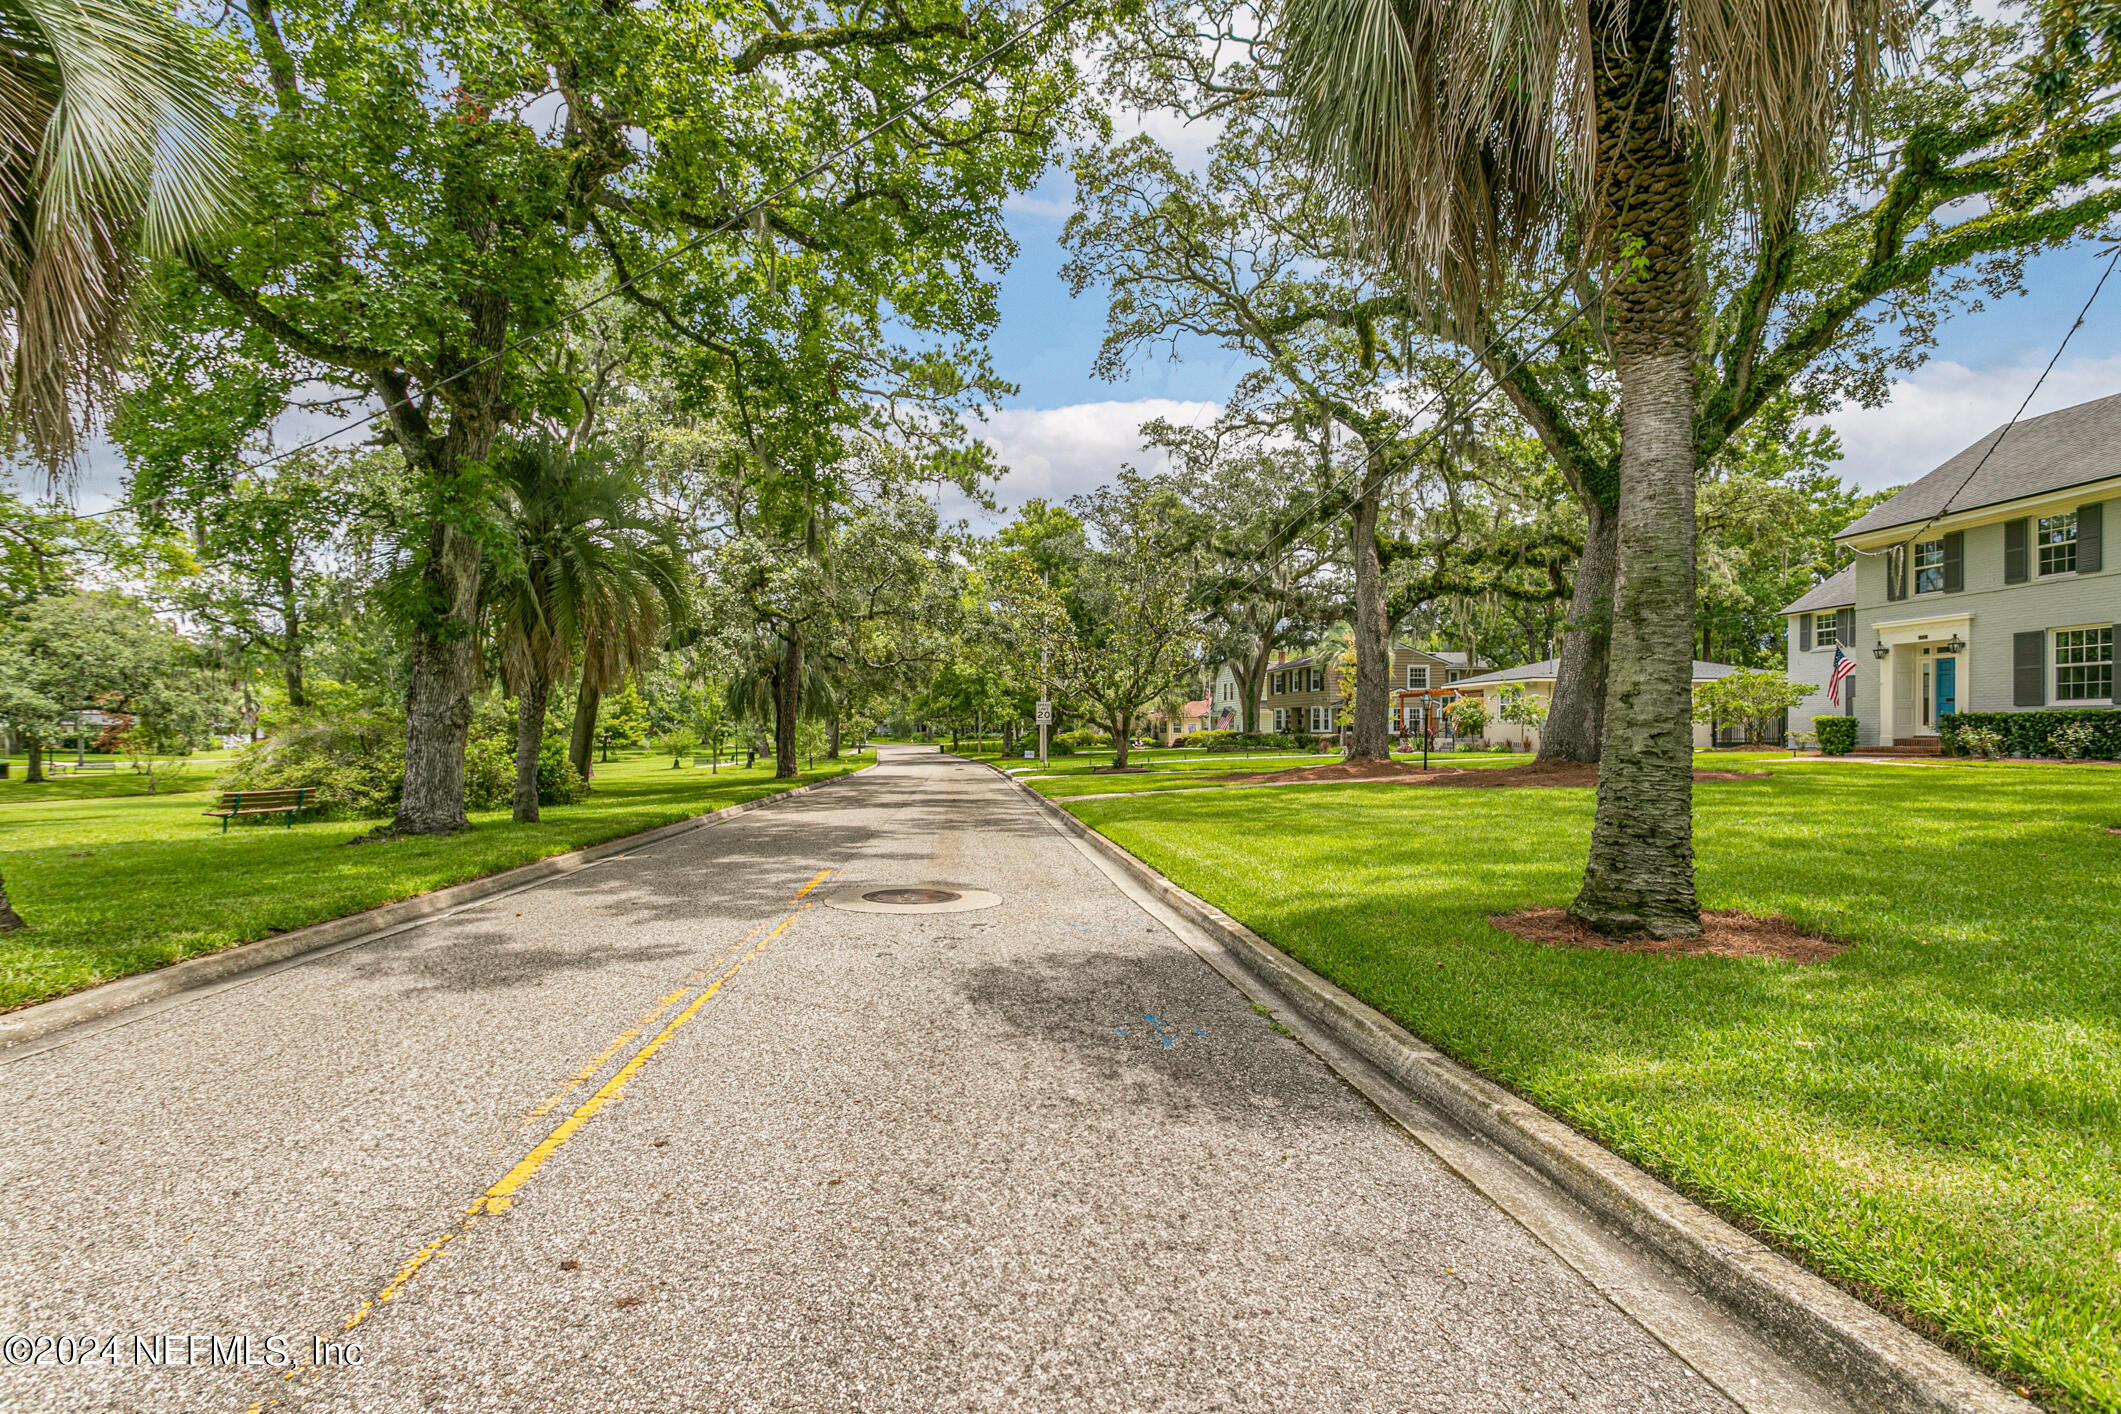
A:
501	1196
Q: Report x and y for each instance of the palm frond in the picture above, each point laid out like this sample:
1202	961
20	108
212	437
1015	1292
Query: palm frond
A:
113	150
1462	133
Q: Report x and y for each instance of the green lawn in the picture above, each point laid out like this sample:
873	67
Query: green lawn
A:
1934	1115
1197	775
117	885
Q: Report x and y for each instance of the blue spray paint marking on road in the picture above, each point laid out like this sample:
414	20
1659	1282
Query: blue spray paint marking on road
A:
1156	1025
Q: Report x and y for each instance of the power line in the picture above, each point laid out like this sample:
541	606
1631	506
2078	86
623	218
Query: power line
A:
741	216
2023	404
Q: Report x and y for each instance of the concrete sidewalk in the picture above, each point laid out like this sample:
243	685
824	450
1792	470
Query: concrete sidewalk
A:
674	1133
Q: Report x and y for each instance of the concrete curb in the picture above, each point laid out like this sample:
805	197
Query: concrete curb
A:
1860	1352
42	1019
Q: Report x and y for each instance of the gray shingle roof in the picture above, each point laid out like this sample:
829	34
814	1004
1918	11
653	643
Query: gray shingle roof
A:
2049	453
1548	669
1836	591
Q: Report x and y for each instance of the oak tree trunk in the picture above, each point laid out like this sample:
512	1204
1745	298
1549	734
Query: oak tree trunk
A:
291	640
1576	717
1371	737
787	700
832	740
438	697
1122	735
582	737
530	740
34	772
1639	877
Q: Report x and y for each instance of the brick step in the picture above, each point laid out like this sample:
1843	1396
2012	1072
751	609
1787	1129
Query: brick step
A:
1926	748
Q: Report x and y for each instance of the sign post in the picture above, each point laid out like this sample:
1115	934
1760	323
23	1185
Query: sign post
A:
1044	717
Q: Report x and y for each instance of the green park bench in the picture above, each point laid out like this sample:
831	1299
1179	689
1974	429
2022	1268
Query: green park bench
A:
285	801
84	767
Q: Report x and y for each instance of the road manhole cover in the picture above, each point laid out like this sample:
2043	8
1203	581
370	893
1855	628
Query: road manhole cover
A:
910	898
904	896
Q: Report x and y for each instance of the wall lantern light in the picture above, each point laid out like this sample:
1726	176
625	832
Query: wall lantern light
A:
1957	645
1880	651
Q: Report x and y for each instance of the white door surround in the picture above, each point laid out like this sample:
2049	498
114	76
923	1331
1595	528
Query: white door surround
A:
1900	675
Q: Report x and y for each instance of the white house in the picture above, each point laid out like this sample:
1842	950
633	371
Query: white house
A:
1537	681
1982	587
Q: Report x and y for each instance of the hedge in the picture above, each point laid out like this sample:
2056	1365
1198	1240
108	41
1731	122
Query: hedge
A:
1837	735
2032	733
1240	741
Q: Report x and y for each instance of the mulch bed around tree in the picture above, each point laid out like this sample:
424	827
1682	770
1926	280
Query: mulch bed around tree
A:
1550	773
1722	935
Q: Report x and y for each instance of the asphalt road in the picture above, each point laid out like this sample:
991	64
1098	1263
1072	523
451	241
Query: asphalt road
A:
673	1133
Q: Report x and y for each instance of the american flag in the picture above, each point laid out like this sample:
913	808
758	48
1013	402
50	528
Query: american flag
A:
1844	666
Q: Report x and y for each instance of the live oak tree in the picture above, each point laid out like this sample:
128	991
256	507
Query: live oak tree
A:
431	186
1126	630
1246	255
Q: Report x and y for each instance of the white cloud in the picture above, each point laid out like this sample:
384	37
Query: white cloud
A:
1947	407
1055	453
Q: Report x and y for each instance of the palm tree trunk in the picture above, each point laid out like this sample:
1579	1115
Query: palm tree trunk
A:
583	736
1371	738
10	921
438	696
787	701
530	740
1640	873
1576	720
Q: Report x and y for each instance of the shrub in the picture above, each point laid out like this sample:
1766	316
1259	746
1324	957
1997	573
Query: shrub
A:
1837	735
2033	733
1469	716
355	756
1241	741
1083	739
1985	742
2073	741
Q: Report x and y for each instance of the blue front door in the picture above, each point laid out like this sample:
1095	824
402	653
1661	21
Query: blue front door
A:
1947	686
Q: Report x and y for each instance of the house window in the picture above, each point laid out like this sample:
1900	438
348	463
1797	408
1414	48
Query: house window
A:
1824	628
2058	544
2084	664
1929	566
1318	679
1453	675
1318	720
1417	677
1276	686
1281	719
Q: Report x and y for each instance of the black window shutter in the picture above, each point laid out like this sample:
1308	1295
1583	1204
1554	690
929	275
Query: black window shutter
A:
2029	668
1804	633
1954	561
2015	535
1845	630
2089	526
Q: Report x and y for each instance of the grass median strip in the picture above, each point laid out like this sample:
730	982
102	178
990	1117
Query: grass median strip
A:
117	886
1933	1116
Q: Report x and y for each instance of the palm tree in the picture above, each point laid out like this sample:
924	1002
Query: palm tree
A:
112	151
585	570
1474	136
